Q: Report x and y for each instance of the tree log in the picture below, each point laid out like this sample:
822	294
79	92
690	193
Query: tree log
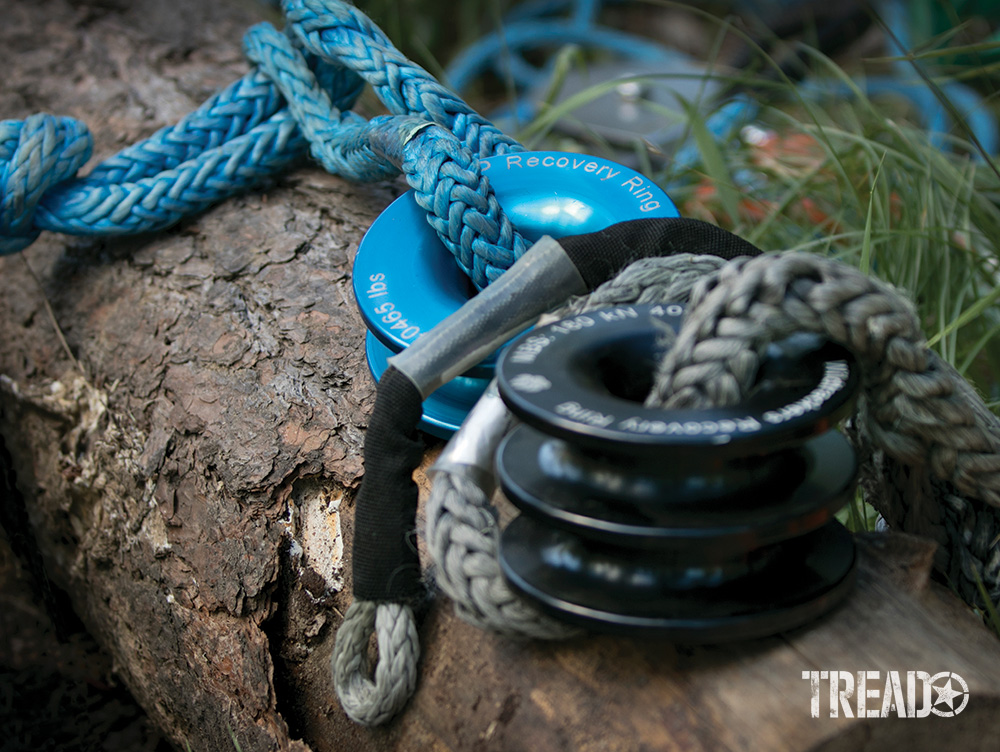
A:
186	412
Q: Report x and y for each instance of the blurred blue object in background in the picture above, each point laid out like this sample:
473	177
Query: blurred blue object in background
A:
639	90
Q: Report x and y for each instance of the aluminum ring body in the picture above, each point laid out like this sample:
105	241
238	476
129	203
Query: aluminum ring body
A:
697	525
558	378
406	282
650	505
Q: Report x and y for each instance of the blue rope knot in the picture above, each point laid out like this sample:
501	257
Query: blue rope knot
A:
35	154
335	30
297	97
442	169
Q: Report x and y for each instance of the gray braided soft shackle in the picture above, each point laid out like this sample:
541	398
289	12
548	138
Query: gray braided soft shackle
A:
372	702
385	562
930	448
462	530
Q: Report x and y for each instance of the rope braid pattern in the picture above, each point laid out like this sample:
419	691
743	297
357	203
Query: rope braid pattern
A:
463	537
35	154
298	97
930	448
335	30
450	186
440	164
373	702
462	529
335	136
443	171
229	143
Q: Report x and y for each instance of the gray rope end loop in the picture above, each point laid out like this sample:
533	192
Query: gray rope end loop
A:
372	695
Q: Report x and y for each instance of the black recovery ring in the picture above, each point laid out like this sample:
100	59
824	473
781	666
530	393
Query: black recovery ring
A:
583	379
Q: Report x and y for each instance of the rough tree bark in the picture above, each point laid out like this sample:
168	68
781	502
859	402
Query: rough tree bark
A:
190	469
219	396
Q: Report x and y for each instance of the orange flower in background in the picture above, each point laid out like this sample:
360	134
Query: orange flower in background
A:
793	154
787	156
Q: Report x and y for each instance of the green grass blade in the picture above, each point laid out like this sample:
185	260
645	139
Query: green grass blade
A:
715	163
972	312
992	617
866	242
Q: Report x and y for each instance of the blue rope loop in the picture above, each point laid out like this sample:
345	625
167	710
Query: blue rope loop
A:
335	136
336	31
297	97
234	140
449	184
96	207
442	169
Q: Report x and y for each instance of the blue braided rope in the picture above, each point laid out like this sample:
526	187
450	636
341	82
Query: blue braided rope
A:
338	32
444	173
36	154
449	185
233	112
234	140
298	96
96	207
336	137
236	110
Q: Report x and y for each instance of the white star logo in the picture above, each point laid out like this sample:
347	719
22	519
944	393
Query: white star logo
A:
948	687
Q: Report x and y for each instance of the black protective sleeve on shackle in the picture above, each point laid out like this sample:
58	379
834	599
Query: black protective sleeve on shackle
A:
385	562
386	567
600	255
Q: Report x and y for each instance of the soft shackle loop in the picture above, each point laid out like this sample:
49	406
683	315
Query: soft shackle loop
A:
385	562
386	565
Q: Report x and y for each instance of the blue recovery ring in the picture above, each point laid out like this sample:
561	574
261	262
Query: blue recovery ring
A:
406	281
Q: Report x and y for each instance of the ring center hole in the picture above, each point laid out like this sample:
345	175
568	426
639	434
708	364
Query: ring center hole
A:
626	368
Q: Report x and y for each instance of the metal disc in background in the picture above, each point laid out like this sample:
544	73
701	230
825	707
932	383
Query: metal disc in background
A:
647	100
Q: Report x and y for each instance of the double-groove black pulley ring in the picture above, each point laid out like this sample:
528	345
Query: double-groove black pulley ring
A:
617	591
701	525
